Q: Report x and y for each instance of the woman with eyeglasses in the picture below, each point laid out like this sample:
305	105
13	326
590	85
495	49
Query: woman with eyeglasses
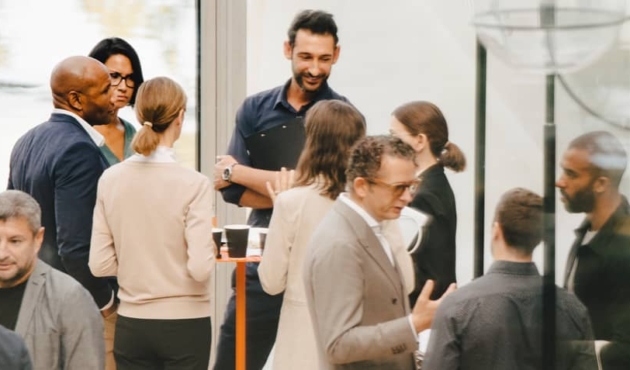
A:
126	77
422	125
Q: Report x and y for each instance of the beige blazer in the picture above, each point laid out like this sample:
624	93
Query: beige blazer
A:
297	212
356	297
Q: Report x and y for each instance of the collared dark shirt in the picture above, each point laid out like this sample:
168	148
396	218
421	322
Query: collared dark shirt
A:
261	112
495	322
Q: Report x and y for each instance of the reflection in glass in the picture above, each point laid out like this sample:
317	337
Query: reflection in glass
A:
548	36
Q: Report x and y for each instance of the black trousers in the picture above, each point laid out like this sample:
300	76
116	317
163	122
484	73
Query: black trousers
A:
182	344
262	315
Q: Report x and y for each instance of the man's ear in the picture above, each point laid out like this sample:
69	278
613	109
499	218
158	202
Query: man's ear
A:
74	100
336	54
601	184
361	185
288	50
39	239
496	233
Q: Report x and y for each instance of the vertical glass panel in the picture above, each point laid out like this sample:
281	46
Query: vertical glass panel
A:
37	34
426	51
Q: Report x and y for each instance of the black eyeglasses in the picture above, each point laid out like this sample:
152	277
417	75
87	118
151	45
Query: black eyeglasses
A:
117	78
398	189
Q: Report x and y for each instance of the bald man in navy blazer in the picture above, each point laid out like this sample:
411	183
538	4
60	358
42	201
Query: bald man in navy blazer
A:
59	164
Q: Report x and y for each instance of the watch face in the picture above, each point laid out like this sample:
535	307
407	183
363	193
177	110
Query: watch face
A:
226	174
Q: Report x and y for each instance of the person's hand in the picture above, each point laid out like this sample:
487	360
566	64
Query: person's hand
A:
222	163
108	312
284	181
424	310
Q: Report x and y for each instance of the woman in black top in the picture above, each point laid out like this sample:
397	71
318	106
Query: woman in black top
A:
422	125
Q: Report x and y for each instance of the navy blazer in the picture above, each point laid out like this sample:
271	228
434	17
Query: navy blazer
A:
59	165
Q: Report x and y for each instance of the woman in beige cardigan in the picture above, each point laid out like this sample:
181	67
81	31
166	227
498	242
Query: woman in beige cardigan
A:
332	128
151	229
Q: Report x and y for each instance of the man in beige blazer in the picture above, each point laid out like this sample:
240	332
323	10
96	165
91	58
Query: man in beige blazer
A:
354	286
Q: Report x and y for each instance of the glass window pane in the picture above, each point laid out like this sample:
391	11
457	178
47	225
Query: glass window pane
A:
163	33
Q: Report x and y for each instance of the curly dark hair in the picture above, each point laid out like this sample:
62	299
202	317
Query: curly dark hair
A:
367	155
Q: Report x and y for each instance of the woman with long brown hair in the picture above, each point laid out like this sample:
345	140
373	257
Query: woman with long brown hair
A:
422	125
332	128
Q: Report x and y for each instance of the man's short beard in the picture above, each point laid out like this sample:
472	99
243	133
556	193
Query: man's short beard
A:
300	81
21	272
26	270
582	202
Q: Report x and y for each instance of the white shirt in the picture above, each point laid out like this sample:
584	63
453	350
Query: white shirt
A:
161	154
96	136
372	223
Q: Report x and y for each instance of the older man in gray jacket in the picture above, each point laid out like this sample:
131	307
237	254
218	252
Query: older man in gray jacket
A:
52	312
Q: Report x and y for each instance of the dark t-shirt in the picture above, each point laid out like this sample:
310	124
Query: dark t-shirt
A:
10	303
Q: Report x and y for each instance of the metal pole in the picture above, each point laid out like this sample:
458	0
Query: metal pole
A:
548	18
480	158
549	278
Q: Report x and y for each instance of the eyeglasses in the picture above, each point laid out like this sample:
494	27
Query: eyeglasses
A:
398	189
117	78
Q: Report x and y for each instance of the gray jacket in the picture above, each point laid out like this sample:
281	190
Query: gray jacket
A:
60	323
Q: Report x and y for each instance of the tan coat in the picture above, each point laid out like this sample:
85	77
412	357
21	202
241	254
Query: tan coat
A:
297	213
357	298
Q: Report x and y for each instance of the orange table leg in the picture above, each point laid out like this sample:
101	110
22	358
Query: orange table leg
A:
240	315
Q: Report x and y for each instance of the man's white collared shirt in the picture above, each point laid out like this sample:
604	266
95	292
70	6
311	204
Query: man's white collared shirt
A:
372	223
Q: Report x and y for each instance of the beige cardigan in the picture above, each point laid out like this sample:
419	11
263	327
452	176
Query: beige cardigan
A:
152	229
